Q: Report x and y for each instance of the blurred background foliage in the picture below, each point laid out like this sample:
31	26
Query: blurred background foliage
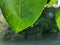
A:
44	28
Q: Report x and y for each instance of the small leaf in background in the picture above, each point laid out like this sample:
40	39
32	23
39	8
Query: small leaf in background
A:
58	17
21	14
52	2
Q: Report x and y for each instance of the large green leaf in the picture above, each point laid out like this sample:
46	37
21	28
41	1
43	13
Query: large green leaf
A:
52	2
58	17
21	14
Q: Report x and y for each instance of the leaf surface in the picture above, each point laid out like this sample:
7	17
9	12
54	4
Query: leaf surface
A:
21	14
52	2
58	17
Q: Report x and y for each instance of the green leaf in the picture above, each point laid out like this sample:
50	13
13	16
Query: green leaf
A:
52	2
58	17
21	14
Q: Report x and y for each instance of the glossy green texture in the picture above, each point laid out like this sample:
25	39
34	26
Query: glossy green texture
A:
58	18
21	14
52	2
